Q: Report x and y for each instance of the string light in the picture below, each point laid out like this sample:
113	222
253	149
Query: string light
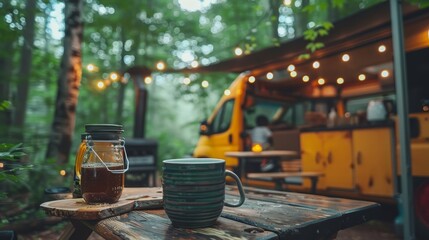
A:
91	67
238	51
114	76
227	92
186	81
160	65
321	81
384	73
291	67
1	165
205	84
101	85
345	57
381	48
251	79
305	78
316	64
340	80
287	2
148	80
293	74
63	172
194	64
361	77
270	75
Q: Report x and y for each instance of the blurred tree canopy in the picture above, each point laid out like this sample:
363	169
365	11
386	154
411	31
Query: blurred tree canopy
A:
121	34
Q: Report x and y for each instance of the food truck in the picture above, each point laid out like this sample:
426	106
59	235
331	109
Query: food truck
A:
336	109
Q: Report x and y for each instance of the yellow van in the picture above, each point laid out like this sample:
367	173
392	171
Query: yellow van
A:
358	151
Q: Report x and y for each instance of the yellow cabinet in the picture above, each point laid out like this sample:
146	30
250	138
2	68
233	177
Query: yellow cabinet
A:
373	160
311	149
338	159
329	152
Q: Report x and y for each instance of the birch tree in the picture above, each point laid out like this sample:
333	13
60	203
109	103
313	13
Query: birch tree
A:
60	139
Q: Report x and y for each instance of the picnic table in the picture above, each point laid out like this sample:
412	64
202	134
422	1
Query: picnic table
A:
266	214
277	177
246	156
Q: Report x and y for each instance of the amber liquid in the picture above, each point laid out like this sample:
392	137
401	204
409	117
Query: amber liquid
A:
99	185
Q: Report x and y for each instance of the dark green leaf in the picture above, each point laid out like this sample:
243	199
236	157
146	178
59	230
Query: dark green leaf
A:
327	25
322	32
310	34
304	56
319	45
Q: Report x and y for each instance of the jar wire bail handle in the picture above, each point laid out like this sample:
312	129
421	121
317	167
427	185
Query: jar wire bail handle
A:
112	170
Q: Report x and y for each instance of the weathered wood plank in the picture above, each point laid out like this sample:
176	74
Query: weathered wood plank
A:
79	209
289	221
131	199
154	224
353	211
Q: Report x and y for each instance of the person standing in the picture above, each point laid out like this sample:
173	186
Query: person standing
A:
262	135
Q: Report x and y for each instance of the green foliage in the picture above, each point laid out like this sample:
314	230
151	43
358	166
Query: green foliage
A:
10	172
420	3
4	105
11	152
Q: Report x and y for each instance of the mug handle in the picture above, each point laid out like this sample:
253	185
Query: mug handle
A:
240	189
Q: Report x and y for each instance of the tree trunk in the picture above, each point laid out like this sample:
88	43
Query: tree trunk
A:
8	41
122	85
25	65
5	94
275	5
301	19
332	12
68	84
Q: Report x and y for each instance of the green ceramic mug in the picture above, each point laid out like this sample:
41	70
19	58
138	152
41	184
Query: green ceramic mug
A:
194	191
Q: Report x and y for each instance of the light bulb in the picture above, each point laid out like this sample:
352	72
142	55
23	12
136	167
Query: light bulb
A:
251	79
305	78
316	64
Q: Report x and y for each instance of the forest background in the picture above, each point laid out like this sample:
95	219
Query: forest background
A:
118	35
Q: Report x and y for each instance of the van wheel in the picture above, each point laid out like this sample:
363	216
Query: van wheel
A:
421	209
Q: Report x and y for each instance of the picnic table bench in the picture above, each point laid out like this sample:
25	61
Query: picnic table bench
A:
277	177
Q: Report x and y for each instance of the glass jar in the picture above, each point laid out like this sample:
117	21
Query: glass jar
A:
77	193
103	166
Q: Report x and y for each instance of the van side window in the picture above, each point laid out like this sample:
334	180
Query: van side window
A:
223	117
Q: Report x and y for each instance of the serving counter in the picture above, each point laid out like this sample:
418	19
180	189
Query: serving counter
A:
357	158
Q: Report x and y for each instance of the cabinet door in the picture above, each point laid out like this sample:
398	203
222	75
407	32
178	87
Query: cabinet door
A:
373	160
311	156
338	159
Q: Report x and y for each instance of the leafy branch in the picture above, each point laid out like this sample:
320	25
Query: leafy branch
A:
312	35
11	153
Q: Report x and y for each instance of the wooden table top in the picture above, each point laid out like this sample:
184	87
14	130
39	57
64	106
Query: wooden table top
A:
267	153
266	214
